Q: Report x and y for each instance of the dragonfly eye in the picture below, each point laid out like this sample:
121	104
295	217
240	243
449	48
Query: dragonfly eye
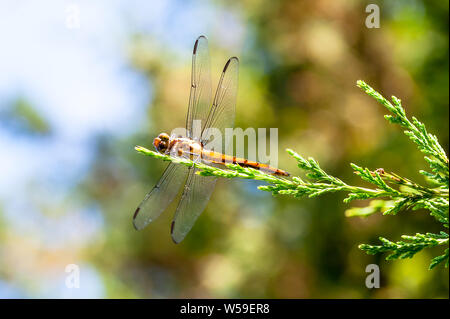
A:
160	145
157	143
164	137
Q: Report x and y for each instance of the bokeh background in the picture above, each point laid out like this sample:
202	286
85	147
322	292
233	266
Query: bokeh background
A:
83	82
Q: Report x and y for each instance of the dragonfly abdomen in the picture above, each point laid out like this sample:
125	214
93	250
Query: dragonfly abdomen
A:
190	149
219	158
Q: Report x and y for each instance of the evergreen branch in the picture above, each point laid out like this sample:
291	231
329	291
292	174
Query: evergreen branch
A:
437	260
417	132
296	187
411	246
375	206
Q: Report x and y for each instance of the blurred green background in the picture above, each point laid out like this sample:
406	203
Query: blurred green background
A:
83	82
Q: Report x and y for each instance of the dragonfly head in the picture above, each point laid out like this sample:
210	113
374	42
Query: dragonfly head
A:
161	143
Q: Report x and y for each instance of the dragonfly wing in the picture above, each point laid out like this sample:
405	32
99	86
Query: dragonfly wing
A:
200	96
162	194
196	194
223	109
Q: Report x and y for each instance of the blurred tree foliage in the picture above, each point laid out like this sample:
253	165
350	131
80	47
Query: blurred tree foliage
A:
21	117
299	63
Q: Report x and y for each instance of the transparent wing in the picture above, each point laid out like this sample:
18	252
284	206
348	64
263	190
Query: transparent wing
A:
196	194
162	194
223	109
200	96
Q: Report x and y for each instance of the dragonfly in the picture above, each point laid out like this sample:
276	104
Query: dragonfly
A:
219	114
